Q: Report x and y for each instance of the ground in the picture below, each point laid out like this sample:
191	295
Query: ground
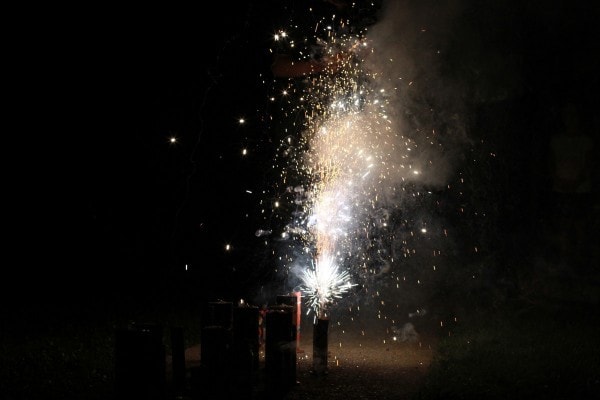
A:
362	364
364	368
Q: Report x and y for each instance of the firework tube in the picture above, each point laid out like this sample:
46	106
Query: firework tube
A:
320	339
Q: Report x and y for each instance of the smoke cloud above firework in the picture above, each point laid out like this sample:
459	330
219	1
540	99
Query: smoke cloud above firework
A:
369	144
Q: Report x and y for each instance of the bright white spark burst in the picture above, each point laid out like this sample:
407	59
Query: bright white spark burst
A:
324	283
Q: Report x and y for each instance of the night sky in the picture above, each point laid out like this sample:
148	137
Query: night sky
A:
119	200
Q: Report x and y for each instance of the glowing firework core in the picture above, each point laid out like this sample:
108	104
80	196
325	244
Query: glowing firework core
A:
324	283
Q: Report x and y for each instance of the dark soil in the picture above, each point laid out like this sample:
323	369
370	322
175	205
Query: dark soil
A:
360	365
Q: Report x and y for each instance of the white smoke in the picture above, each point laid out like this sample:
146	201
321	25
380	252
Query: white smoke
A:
409	43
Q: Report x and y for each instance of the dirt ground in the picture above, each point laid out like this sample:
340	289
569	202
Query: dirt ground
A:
363	367
375	363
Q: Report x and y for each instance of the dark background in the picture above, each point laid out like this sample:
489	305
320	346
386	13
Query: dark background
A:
110	205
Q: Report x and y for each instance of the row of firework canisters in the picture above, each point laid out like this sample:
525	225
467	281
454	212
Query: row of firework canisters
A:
250	346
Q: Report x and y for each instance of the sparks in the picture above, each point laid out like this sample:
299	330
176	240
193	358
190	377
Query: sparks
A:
324	283
347	166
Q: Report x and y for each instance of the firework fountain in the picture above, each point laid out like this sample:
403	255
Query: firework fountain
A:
344	155
345	169
349	172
